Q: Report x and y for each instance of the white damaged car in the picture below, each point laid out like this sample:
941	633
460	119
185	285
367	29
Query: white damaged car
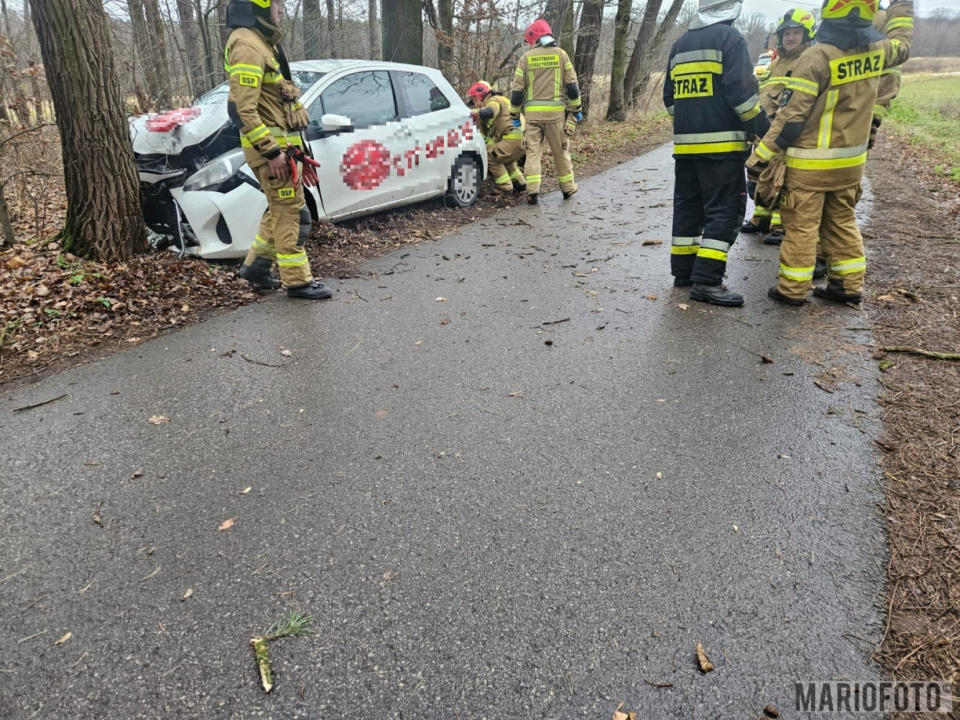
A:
385	135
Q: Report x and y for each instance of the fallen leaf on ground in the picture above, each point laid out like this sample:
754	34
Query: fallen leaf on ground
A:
652	242
62	640
736	529
653	297
227	524
515	393
617	715
771	712
286	353
246	490
705	664
683	306
441	299
766	359
659	476
187	594
158	419
136	474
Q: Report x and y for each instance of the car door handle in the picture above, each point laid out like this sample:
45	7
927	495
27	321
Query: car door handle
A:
403	133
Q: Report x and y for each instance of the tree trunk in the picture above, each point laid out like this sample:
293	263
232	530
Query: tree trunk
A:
402	31
158	53
6	20
616	109
445	40
642	81
647	27
560	17
104	220
191	46
588	40
311	29
332	39
373	28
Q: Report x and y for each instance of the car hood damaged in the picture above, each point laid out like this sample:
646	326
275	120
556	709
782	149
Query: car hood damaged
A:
171	132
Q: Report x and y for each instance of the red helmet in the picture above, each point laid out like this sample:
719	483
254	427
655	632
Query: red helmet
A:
537	30
477	92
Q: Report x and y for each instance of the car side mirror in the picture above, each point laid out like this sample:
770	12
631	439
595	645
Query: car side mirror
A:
336	123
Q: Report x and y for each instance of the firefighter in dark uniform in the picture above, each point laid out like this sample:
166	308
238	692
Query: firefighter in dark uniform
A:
263	104
711	91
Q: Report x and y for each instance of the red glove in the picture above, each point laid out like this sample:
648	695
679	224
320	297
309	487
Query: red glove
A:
309	174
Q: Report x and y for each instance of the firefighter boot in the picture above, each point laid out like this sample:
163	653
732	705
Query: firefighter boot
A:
715	295
751	228
258	274
519	188
774	238
820	268
834	291
533	198
313	290
775	294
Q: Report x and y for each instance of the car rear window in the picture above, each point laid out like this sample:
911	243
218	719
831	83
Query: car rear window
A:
422	94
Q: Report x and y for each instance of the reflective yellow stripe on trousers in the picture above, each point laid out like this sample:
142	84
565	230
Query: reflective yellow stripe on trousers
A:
291	259
713	249
684	246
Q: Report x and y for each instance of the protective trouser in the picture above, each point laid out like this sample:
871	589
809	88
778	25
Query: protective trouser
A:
284	230
709	202
502	160
552	134
831	216
761	213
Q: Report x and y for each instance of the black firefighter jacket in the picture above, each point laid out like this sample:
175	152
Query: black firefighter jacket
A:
712	93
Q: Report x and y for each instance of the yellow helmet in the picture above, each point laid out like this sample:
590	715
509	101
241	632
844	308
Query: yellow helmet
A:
862	10
796	18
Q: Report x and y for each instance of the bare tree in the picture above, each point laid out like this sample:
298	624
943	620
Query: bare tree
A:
616	109
311	29
373	29
191	45
104	219
402	31
635	83
588	40
559	14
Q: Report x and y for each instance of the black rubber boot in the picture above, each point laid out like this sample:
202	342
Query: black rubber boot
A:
820	269
774	238
533	199
519	188
715	295
568	195
682	282
258	274
775	294
834	292
311	291
750	229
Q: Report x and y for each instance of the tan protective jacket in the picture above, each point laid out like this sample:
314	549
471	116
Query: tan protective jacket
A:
832	94
500	126
889	80
777	79
543	74
257	91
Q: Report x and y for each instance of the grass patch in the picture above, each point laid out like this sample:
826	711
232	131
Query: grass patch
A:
927	115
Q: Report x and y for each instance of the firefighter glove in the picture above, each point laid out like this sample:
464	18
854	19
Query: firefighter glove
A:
579	116
308	175
874	127
516	122
570	128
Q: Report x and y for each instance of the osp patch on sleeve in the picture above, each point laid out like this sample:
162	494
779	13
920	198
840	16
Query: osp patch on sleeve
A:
248	79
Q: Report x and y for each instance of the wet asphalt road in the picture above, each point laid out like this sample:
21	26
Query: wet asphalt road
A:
481	524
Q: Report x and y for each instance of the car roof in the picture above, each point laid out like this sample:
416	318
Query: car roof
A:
328	66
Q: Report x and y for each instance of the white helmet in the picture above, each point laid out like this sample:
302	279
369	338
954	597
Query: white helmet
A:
712	12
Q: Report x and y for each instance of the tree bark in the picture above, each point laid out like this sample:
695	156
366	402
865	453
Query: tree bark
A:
663	31
402	31
158	63
311	29
648	25
373	28
445	42
616	109
103	220
332	39
191	46
560	17
588	40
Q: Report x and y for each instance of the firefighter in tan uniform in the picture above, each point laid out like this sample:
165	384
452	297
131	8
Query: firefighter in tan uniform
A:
491	113
822	128
794	35
545	88
889	86
264	106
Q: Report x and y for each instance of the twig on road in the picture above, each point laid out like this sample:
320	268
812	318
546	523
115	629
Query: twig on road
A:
922	353
36	405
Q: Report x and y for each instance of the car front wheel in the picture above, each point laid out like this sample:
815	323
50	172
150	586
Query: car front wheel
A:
464	185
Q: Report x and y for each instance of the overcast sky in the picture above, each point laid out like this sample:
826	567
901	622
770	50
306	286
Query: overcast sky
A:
776	7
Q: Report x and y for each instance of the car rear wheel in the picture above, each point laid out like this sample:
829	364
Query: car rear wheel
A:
464	185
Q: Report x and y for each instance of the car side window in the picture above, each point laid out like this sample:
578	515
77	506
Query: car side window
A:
422	94
364	97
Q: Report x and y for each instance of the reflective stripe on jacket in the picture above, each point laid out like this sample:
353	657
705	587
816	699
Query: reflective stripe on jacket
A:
500	125
824	123
779	78
712	93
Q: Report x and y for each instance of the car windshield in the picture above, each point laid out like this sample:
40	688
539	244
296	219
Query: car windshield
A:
303	78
